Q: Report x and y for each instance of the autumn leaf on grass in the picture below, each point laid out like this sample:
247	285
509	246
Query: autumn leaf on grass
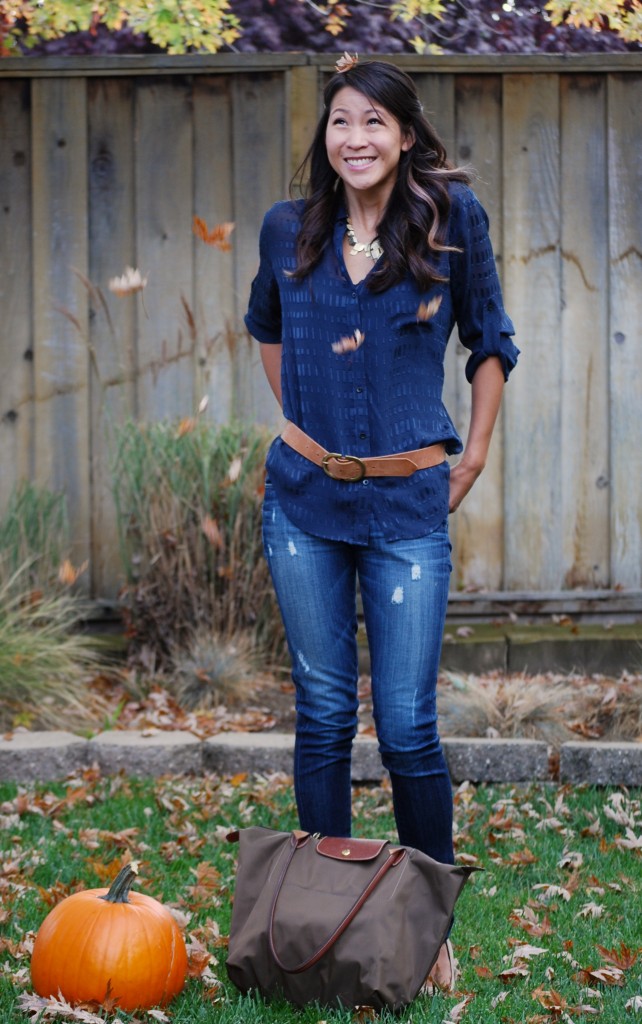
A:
219	236
37	1007
483	972
601	976
624	958
557	1005
621	810
428	309
634	1005
550	1000
198	958
520	857
457	1013
511	973
551	892
364	1013
632	842
572	860
526	952
591	909
527	919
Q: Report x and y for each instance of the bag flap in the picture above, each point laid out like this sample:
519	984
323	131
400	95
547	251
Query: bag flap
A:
350	849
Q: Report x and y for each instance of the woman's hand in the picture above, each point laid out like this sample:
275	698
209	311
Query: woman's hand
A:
488	384
462	478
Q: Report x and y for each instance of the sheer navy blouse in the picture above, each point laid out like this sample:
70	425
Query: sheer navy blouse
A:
385	396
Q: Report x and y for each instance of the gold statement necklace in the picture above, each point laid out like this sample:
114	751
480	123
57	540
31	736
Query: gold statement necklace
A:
372	250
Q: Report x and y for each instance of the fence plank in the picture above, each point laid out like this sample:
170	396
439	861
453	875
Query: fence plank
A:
113	325
584	520
59	139
214	302
16	352
532	285
480	526
437	95
164	199
625	189
304	104
260	118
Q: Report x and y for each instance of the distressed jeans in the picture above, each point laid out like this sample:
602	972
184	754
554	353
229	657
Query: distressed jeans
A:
404	591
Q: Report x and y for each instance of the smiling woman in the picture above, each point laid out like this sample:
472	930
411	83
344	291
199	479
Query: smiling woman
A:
359	287
364	145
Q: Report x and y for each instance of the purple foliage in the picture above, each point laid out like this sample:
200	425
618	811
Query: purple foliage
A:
468	26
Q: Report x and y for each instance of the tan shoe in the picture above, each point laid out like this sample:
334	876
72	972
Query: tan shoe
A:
440	978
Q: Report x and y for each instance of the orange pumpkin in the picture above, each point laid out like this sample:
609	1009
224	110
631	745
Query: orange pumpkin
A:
102	943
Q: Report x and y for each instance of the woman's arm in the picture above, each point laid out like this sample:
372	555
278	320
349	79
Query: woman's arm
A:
487	387
271	359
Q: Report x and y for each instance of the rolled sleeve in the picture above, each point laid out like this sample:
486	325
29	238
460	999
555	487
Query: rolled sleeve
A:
263	318
483	324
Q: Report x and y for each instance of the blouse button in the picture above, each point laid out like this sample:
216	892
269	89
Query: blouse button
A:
362	435
358	390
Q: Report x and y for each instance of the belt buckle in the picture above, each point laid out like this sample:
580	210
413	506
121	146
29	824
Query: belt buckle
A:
344	459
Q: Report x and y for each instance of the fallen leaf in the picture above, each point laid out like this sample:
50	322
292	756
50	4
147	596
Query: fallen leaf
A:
601	975
550	999
551	892
458	1011
632	842
525	952
571	859
511	973
591	909
624	958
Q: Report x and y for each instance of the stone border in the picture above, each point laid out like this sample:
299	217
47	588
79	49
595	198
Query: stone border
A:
49	756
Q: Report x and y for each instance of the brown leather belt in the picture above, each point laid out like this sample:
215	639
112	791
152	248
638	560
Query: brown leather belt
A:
353	468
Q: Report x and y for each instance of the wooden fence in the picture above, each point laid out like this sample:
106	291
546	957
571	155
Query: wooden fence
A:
105	161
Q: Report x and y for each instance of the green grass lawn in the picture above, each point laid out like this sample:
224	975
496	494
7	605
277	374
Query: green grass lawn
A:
551	930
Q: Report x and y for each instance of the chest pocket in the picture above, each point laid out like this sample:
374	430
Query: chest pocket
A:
416	341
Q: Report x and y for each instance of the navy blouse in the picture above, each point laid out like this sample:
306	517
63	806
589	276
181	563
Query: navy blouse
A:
385	396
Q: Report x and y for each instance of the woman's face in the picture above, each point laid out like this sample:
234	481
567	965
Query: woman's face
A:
363	142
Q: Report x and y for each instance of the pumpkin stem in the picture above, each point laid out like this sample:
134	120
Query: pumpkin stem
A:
119	889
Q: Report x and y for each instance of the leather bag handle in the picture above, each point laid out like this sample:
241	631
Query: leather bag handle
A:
394	857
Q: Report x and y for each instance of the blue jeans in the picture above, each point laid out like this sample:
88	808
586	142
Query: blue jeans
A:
404	591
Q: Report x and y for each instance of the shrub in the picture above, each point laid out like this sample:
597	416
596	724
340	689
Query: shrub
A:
189	497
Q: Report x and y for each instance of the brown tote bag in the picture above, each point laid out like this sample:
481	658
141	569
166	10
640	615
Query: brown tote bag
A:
342	922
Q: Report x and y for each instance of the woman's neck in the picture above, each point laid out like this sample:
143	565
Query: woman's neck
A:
366	211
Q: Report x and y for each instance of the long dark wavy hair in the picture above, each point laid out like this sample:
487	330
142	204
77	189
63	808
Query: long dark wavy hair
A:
414	226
